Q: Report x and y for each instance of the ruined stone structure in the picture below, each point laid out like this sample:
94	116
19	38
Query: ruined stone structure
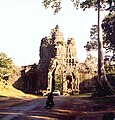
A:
58	65
57	68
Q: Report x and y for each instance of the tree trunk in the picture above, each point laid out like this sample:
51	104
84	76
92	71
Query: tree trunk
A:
103	87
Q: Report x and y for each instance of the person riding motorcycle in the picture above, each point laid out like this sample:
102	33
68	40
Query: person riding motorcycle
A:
49	101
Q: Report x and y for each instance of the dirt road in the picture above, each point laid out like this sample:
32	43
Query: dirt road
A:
65	108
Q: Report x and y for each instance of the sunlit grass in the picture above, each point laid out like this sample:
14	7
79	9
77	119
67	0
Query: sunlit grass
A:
10	91
83	95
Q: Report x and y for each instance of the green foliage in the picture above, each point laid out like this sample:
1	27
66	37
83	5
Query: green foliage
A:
55	4
110	69
6	64
108	26
98	3
88	4
91	63
76	3
93	43
58	85
7	67
4	60
88	68
58	81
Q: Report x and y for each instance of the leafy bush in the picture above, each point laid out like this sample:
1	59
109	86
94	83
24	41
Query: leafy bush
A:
7	68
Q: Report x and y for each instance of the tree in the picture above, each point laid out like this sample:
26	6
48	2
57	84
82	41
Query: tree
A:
56	4
7	66
88	74
103	86
108	28
93	43
88	67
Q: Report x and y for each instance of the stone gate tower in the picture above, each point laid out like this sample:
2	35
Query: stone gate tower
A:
57	67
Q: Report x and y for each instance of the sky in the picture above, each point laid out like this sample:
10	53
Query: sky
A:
23	23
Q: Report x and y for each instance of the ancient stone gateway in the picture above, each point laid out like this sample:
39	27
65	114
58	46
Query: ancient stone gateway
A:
58	64
57	68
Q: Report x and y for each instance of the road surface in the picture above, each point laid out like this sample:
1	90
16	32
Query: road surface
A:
35	110
65	108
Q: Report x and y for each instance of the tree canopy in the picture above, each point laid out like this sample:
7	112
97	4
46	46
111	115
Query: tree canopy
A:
6	65
56	4
108	28
93	43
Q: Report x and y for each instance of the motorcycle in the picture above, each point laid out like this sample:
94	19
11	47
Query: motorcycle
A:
49	104
49	101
